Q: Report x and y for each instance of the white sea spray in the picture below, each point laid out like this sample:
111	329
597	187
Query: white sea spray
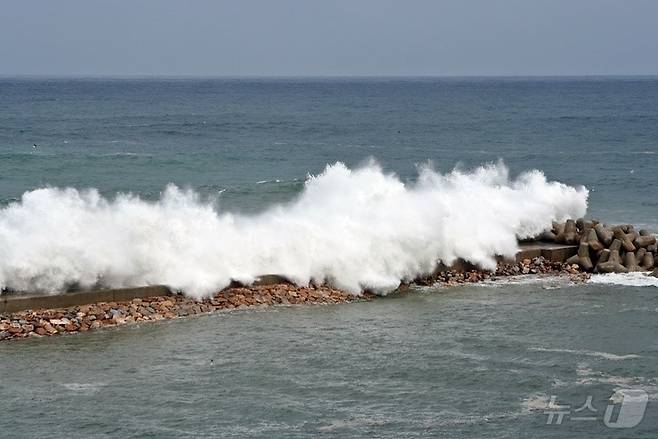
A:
357	228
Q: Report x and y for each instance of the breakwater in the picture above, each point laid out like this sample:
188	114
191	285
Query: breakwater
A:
82	318
575	248
270	292
604	248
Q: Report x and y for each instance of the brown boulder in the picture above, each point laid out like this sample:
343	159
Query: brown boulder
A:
15	328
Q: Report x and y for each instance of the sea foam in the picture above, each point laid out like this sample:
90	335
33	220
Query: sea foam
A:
357	228
633	279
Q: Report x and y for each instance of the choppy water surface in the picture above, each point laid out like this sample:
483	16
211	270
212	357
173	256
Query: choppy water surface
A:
474	361
229	135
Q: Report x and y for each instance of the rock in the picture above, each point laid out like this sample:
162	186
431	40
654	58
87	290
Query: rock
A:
625	241
604	234
15	328
604	256
570	232
593	241
547	236
614	252
644	241
558	230
632	234
117	319
611	267
49	328
654	273
583	257
648	261
630	262
574	260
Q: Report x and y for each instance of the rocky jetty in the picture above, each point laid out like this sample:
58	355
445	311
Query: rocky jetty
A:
45	322
536	266
605	248
600	249
75	319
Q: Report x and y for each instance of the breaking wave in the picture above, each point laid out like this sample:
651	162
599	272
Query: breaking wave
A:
357	228
633	279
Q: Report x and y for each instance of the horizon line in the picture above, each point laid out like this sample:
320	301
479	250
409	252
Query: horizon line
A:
323	76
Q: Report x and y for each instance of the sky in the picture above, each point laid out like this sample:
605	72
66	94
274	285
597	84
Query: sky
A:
329	37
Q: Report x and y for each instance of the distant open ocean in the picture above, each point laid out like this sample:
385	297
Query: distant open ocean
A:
255	140
475	361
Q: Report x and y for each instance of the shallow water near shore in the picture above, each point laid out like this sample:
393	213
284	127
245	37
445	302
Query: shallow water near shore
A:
471	361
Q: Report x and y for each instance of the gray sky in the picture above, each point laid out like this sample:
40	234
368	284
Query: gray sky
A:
330	37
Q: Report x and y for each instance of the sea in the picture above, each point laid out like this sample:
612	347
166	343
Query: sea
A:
193	182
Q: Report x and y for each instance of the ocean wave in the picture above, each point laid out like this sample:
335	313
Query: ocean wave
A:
356	228
88	388
588	376
604	355
634	279
534	402
547	282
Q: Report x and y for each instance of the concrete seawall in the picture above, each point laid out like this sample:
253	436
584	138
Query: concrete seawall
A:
19	302
549	251
10	303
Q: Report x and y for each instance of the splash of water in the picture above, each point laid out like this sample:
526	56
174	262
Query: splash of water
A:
356	228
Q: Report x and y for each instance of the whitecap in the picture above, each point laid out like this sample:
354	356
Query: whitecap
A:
87	388
634	279
605	355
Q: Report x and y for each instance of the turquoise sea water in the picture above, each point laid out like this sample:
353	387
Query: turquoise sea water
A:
230	134
475	361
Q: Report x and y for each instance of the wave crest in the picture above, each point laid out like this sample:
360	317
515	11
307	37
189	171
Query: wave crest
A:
357	228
